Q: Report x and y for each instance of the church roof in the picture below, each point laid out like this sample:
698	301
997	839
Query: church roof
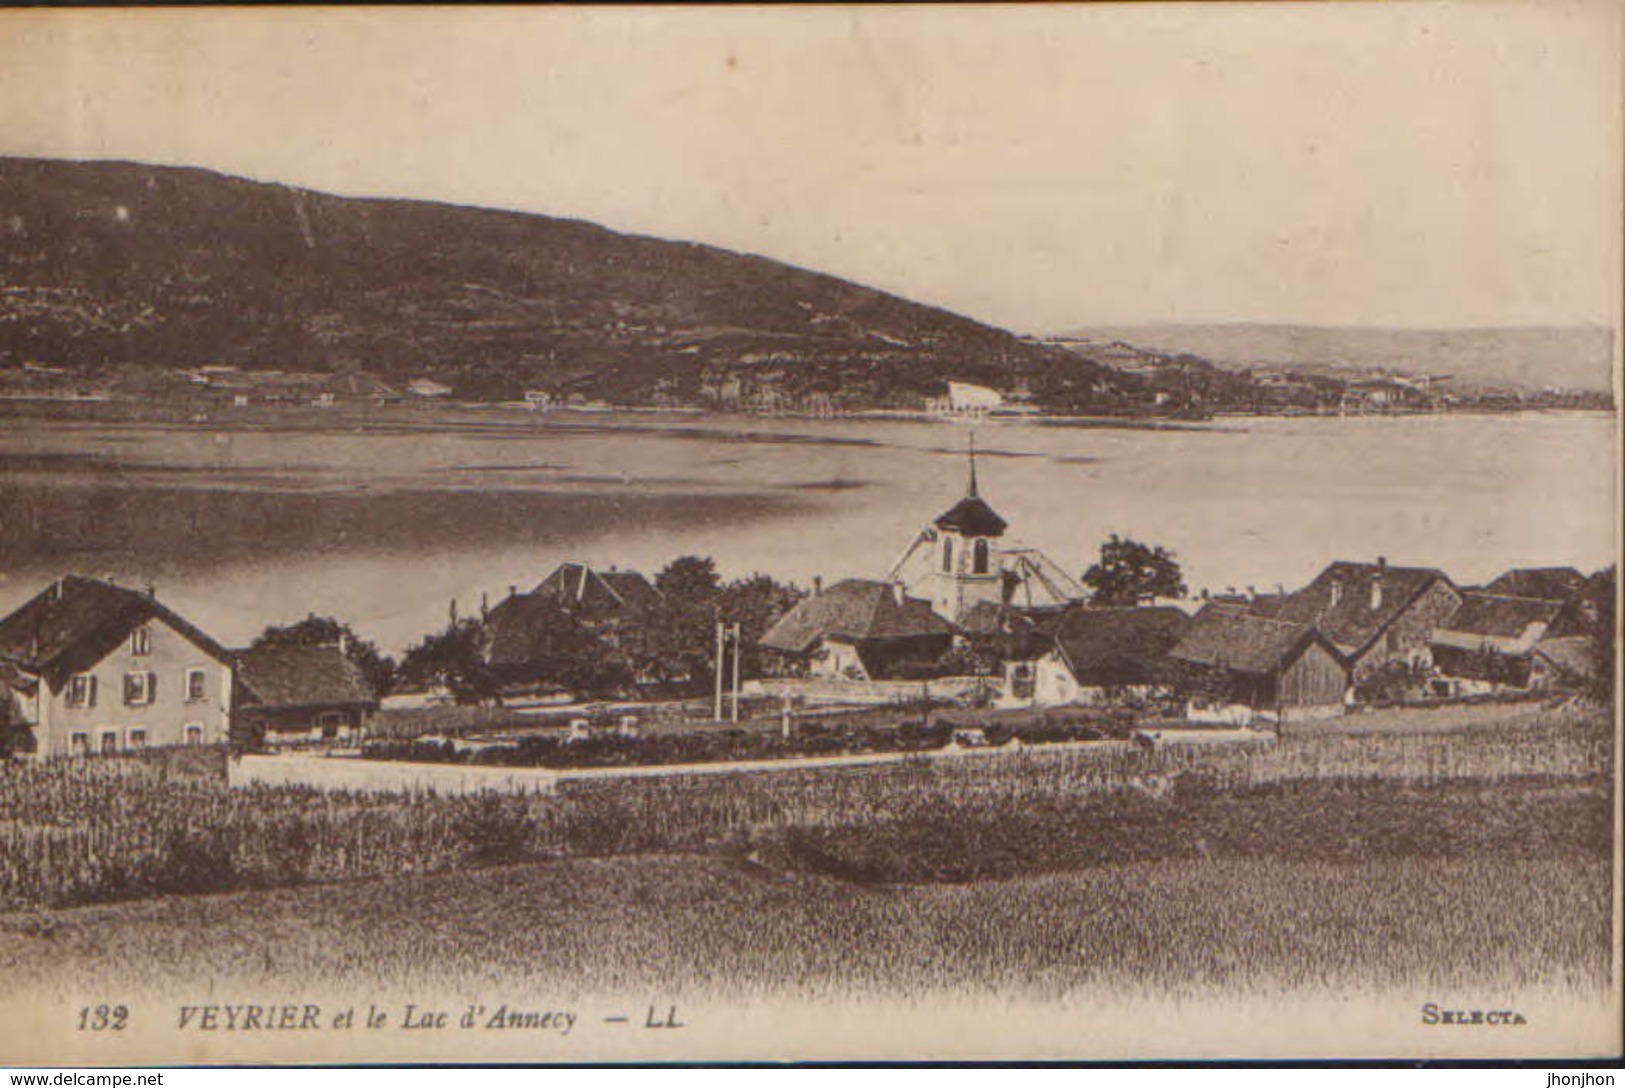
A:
972	516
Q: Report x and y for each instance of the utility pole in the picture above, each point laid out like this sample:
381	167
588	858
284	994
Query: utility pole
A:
717	668
736	674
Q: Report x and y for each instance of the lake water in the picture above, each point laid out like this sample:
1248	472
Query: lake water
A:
385	522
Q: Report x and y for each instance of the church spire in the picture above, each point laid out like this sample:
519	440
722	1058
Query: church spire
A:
970	491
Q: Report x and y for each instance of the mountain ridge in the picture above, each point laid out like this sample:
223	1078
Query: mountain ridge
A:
125	264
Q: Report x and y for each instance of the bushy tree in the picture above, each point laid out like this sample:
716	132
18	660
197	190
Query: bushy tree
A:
672	641
755	603
548	642
1599	596
454	659
1129	570
314	630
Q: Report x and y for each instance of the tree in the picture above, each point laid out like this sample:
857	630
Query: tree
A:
544	641
1599	597
454	659
690	579
755	603
1129	570
671	642
315	630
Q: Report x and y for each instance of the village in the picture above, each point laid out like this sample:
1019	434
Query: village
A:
968	639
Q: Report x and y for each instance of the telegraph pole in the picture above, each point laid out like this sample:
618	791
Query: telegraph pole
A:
717	668
736	674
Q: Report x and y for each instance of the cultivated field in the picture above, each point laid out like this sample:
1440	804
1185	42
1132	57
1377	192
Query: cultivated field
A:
1472	858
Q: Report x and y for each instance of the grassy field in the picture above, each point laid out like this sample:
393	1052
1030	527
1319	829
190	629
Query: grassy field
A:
1351	860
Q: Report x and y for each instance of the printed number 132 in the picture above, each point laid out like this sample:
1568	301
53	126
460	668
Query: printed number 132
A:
103	1018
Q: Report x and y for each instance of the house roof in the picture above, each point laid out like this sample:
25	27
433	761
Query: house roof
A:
1496	616
1540	583
857	610
1351	622
1021	634
1576	655
1242	641
577	584
285	677
972	516
76	621
1106	646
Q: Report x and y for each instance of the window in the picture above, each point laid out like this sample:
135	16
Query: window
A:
194	734
79	744
109	741
196	685
82	690
980	559
140	688
948	554
138	738
141	641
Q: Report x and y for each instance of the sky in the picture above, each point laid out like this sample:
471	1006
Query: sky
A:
1038	167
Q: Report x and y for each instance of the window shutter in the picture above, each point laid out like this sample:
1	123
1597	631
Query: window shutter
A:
91	695
152	688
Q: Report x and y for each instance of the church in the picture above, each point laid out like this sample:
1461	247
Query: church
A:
959	574
962	563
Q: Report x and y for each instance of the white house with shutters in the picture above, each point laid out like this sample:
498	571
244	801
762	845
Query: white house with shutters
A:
89	667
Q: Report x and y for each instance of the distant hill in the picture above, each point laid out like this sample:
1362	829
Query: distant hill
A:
1575	357
124	266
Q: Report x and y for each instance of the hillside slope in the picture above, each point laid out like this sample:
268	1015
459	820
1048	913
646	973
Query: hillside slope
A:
121	265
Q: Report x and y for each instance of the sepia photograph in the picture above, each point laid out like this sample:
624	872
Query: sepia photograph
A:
1048	532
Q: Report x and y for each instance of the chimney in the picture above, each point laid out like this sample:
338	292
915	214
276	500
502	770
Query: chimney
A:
897	592
513	591
152	591
1337	591
818	584
1376	582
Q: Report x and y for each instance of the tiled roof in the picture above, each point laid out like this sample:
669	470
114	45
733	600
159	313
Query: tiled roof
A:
1107	646
858	610
76	621
972	516
1238	640
283	677
1498	616
578	585
1339	602
1541	583
1576	656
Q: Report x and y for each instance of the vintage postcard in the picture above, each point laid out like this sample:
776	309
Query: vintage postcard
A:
1077	531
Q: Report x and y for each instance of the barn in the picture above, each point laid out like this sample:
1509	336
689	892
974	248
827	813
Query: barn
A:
1239	667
